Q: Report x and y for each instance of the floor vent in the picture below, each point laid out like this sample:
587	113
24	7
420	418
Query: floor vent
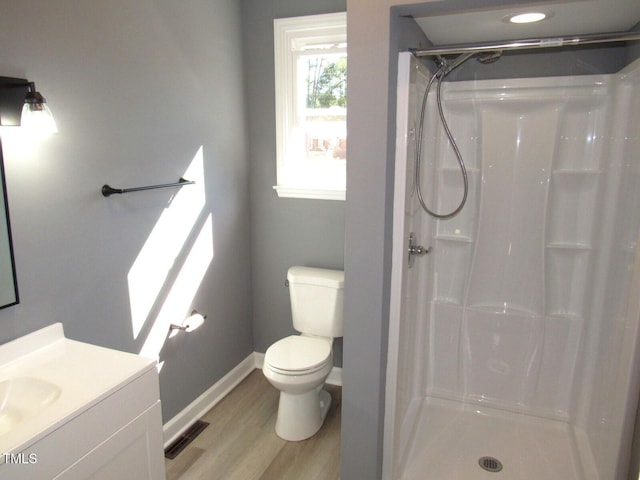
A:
490	464
185	439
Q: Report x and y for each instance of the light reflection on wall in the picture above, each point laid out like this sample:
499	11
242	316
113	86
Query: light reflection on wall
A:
178	302
151	270
18	144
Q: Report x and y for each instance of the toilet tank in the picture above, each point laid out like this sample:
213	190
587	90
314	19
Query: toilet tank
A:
316	300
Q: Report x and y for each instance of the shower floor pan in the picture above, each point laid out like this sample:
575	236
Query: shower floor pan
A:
451	438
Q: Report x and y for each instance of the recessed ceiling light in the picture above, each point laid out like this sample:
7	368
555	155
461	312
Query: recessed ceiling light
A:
529	17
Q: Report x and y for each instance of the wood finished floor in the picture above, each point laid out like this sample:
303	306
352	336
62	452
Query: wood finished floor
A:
240	442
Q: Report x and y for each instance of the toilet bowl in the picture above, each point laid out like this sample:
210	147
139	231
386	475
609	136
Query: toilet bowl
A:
298	365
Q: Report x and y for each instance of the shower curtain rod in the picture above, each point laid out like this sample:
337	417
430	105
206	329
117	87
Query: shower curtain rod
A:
530	43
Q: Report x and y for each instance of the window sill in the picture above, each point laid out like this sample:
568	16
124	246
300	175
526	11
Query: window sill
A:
309	193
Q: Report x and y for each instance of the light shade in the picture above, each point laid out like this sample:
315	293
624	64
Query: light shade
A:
36	114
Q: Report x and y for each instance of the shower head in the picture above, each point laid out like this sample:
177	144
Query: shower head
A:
489	57
446	66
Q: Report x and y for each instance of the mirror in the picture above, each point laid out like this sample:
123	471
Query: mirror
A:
8	282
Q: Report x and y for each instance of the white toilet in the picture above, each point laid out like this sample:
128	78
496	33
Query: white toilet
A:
298	365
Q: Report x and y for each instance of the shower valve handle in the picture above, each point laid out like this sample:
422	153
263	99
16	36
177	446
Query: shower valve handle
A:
415	250
419	250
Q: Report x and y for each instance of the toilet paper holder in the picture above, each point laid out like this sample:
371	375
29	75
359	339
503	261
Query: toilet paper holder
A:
190	323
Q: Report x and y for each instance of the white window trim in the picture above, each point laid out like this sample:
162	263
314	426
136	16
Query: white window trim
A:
295	180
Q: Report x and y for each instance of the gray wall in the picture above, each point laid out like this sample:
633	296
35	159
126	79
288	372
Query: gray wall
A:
285	232
375	36
137	87
634	47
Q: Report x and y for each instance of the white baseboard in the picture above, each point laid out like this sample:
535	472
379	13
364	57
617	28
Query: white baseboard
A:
334	378
201	405
205	402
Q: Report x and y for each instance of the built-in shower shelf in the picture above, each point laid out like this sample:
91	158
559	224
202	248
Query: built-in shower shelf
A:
456	170
576	172
440	300
501	309
558	315
454	238
569	246
572	181
564	315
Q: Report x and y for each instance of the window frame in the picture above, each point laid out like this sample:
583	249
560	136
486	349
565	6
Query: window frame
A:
296	177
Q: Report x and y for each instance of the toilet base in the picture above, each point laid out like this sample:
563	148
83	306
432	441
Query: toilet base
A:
301	416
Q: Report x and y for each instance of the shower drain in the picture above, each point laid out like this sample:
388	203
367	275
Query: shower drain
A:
490	464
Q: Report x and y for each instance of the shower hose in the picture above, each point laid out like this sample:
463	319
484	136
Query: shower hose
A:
442	71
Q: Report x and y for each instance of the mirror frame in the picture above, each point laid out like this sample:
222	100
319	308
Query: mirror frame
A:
10	240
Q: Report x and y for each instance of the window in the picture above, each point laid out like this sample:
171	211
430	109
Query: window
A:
311	106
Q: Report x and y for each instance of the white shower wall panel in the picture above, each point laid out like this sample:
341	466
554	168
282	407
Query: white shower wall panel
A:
517	149
519	363
469	350
511	273
608	399
409	384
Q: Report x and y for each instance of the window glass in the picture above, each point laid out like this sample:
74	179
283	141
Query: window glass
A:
323	106
311	106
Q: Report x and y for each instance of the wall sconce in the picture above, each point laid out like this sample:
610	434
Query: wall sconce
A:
22	104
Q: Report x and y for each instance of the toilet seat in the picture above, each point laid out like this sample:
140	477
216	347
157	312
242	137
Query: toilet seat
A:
298	355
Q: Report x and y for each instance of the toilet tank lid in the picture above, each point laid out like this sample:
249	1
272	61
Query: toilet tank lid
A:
316	276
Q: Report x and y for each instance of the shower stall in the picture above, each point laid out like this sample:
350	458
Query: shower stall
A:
514	325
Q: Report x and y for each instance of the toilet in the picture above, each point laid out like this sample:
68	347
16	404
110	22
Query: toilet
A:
298	365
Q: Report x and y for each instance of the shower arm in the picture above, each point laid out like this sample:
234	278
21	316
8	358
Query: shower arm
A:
531	43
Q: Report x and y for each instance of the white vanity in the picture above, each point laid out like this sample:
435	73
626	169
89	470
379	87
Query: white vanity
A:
70	410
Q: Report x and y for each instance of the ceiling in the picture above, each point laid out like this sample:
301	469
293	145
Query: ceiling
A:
568	18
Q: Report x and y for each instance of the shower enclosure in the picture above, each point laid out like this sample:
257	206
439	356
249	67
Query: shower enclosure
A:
513	344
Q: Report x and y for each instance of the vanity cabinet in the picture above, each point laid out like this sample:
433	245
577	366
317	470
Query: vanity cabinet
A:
119	438
105	424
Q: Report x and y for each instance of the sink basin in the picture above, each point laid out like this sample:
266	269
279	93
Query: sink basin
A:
22	398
